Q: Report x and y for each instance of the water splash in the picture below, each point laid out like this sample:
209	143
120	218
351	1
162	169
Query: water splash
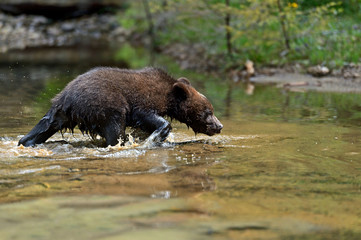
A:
9	148
77	146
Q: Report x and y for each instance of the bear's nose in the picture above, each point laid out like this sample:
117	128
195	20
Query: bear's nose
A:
217	124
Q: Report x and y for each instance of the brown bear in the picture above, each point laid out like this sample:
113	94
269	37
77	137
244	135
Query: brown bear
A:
104	101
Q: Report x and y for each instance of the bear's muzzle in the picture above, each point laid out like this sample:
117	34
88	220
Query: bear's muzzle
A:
214	126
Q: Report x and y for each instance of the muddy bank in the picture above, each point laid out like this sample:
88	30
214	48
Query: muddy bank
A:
305	82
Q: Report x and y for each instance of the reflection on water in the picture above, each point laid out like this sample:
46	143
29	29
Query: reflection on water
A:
287	165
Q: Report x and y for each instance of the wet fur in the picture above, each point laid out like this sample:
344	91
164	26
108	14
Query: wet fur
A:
104	101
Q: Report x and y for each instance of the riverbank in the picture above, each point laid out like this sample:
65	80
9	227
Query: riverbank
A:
294	77
305	82
104	31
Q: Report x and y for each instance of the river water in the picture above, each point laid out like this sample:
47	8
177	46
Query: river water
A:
287	165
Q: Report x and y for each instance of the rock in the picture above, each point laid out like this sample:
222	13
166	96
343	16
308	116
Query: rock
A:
55	9
351	70
67	27
58	2
268	71
318	71
19	32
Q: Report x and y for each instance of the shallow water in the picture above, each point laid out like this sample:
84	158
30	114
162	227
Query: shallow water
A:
286	166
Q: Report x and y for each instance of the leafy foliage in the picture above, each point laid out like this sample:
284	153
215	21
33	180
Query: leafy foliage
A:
265	31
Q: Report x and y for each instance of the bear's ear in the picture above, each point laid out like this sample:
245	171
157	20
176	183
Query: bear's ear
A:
184	80
181	90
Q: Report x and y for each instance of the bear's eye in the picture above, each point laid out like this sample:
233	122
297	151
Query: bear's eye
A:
205	114
208	112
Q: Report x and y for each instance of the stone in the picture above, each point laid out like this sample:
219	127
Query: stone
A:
19	32
351	71
55	9
318	71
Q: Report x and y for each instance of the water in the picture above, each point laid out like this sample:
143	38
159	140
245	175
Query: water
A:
286	166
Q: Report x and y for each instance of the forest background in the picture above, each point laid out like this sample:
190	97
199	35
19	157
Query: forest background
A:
268	32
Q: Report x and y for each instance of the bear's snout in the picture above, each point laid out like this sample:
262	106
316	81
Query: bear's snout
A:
214	126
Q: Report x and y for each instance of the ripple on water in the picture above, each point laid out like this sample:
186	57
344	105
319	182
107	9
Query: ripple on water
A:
28	170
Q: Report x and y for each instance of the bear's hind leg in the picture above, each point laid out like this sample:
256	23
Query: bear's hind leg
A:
52	122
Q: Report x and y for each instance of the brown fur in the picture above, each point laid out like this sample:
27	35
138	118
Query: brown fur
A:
105	100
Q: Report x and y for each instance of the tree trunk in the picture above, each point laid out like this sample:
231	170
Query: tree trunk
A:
151	34
228	33
283	25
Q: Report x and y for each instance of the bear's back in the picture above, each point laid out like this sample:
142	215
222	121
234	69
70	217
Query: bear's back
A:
104	87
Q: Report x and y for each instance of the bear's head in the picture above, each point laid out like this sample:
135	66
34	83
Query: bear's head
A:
194	109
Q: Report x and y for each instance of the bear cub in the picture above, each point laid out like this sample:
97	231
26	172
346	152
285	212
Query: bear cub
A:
104	101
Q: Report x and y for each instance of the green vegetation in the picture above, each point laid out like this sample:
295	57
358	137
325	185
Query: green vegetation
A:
265	31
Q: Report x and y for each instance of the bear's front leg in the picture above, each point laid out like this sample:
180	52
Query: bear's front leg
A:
152	123
112	129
